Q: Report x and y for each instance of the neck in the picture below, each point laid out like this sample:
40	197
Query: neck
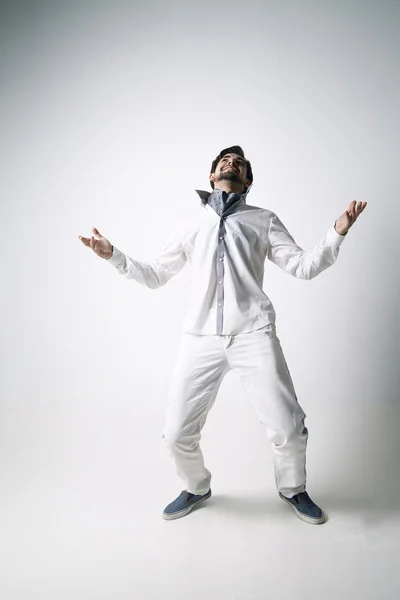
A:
230	187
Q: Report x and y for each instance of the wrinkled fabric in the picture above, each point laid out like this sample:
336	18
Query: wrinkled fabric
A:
230	325
221	201
257	359
226	256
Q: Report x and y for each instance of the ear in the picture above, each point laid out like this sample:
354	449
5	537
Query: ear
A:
211	177
247	184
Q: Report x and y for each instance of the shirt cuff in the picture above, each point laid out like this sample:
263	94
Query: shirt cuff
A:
116	258
334	238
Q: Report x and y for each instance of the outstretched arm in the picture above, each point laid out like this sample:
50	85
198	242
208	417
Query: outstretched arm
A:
290	257
156	273
153	274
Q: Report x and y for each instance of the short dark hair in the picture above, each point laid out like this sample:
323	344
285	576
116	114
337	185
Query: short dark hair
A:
232	150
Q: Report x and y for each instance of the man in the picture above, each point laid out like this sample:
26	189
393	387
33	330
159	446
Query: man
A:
230	325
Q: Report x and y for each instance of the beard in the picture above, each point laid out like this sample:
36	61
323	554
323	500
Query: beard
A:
229	176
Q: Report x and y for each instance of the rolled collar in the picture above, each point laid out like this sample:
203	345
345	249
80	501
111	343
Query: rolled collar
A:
204	195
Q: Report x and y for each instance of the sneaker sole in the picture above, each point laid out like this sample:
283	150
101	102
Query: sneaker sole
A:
185	511
307	519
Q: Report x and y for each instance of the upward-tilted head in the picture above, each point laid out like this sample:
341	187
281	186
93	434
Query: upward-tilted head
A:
231	171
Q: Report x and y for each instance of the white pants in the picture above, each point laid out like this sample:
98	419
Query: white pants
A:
257	357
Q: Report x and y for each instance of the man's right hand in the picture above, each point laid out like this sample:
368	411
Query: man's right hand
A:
99	244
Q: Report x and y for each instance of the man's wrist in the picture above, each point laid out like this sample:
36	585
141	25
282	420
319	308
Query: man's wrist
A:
338	231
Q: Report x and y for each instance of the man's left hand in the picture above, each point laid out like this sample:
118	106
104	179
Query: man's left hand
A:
349	217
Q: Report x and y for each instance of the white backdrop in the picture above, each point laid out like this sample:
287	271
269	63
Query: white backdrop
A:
111	114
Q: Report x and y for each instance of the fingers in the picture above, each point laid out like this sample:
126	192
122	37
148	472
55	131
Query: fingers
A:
89	242
355	209
351	208
359	208
92	241
84	240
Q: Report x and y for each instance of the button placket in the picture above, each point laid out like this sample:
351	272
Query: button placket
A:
220	276
222	204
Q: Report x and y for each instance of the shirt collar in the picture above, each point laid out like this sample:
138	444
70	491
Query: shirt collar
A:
204	195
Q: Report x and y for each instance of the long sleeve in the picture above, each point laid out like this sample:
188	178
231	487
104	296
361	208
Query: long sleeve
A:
286	254
156	273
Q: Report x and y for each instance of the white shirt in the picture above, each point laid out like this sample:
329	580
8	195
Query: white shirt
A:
226	256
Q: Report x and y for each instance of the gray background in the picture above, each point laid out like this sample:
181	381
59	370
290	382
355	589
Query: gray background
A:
111	114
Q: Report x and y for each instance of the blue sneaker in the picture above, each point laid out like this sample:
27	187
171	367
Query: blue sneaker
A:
305	508
183	504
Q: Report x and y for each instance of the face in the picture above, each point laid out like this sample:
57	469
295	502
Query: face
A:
231	167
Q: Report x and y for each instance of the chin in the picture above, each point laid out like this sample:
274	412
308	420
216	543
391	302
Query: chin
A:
232	178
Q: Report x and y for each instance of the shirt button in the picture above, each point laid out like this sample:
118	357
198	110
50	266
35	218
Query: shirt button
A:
220	259
221	237
220	281
219	303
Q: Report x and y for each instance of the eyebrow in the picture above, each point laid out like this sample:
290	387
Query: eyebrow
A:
239	158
